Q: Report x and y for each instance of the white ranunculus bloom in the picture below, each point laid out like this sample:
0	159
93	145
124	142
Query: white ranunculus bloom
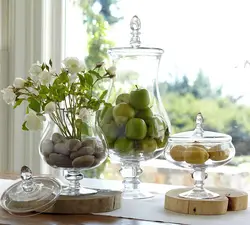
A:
33	91
84	114
50	107
74	65
19	82
33	121
8	95
34	71
45	77
111	71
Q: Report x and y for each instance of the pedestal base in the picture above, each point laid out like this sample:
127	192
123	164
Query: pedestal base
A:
136	194
229	200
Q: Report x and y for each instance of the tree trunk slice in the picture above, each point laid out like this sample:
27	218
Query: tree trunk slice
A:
102	201
229	200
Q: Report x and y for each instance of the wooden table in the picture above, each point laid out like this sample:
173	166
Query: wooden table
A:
48	219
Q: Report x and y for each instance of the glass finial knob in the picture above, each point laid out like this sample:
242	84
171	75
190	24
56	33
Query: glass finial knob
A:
199	123
27	179
135	26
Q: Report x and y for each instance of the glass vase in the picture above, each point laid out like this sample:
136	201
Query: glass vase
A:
136	126
74	145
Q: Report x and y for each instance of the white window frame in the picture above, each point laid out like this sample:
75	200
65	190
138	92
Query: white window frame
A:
30	30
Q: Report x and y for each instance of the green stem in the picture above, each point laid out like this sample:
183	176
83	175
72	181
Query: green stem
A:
62	129
60	119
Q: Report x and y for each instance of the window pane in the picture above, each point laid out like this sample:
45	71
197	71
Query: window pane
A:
204	67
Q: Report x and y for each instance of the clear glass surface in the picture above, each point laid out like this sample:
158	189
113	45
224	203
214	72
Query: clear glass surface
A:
74	155
198	150
137	126
30	195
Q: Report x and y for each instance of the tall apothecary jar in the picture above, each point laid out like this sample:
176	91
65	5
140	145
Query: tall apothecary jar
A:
137	126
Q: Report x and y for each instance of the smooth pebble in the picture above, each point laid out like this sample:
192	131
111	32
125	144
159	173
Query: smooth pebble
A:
57	138
82	151
73	144
61	148
83	161
59	160
47	147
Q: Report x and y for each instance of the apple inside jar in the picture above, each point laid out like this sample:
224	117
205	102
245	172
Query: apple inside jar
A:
131	127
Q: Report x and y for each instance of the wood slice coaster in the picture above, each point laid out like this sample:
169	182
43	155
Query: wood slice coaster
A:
229	200
102	201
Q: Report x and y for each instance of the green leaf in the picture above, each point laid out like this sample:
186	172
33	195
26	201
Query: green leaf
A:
44	90
82	79
50	63
47	67
18	102
62	78
85	128
43	66
104	93
89	79
94	73
24	126
34	104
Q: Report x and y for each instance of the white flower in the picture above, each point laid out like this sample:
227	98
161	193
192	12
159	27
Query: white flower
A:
74	65
33	121
45	77
50	107
35	70
8	95
84	114
33	91
111	71
19	82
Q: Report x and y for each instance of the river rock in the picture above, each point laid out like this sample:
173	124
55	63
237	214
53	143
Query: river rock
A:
59	160
99	155
89	142
73	144
57	138
47	147
96	161
82	151
61	148
83	161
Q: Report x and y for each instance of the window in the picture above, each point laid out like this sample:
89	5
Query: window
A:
205	66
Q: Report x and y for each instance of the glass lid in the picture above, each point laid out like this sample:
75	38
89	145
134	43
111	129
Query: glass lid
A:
199	135
135	48
30	194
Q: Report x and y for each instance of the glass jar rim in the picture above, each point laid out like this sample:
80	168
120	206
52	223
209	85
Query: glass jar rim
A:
141	51
208	137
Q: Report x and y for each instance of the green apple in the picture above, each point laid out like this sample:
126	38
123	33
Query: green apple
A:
144	114
136	129
146	145
161	142
124	97
156	127
110	131
124	145
122	113
106	115
139	99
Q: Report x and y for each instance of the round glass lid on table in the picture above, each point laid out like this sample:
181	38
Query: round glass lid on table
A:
30	195
198	150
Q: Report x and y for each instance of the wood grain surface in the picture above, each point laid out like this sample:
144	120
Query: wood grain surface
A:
229	200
